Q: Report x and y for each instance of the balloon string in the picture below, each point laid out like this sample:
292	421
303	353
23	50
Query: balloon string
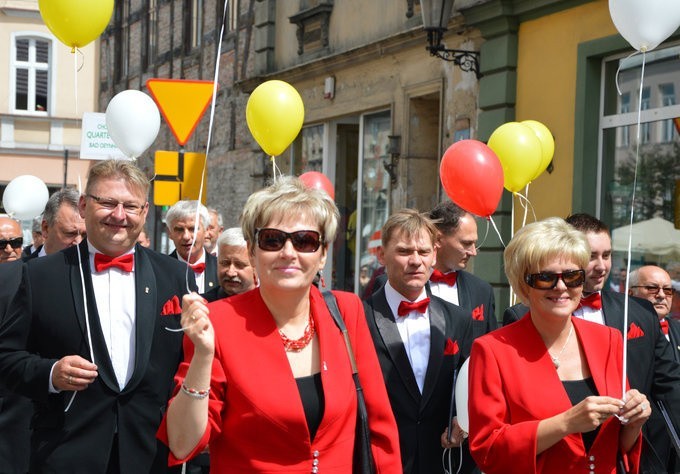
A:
618	70
75	77
197	215
630	229
526	205
275	168
513	297
486	234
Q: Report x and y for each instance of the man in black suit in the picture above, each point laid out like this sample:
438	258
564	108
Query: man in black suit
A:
651	368
11	239
420	341
189	245
456	245
234	271
87	337
15	410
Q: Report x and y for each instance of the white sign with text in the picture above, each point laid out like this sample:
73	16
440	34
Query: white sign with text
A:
95	142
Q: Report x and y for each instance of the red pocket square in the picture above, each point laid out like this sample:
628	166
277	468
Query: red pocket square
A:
478	313
451	347
634	331
171	306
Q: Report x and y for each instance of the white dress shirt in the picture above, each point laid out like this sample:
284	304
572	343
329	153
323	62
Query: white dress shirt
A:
200	277
445	292
414	330
589	314
114	292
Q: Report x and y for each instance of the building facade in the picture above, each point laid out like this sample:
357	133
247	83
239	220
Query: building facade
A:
46	90
379	110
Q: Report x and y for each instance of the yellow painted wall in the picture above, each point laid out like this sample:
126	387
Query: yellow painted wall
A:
546	91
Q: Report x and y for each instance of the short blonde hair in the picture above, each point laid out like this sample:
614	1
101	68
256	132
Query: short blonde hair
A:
535	244
288	196
125	169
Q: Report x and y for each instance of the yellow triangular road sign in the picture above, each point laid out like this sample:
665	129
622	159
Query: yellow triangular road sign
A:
182	103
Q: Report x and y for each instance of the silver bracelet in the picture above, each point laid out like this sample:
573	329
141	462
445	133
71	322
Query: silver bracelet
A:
193	393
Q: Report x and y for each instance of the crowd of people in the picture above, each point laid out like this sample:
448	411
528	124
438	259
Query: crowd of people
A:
225	357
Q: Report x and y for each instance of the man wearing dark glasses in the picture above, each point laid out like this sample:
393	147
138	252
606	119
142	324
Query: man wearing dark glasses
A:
651	368
654	284
11	240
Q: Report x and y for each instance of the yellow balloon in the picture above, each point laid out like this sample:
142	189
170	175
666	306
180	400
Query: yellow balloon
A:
76	22
547	144
275	114
519	151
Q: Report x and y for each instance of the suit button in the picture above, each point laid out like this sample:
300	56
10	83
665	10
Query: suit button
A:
591	458
315	454
315	462
592	466
315	470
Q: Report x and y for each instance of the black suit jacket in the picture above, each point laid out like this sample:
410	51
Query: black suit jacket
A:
421	418
47	322
15	410
211	281
475	294
674	336
651	369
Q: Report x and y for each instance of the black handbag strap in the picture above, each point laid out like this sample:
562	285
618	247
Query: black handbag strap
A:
332	304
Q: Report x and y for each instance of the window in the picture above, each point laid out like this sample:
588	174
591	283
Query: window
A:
150	46
667	93
30	69
656	157
193	24
122	40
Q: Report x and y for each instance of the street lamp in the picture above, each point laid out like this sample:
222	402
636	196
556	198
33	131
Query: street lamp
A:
436	15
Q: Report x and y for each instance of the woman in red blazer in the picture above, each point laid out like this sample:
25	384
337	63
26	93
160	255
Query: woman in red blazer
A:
545	393
267	383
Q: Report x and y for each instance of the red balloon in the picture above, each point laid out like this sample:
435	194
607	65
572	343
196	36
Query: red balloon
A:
472	176
316	180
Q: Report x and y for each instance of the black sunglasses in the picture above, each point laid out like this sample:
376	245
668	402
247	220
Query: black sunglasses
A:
14	242
652	289
548	280
272	240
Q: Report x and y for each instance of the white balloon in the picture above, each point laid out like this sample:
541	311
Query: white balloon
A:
645	23
461	394
25	197
133	121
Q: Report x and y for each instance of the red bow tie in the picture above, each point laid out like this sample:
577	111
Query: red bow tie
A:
448	278
664	326
592	301
198	268
405	307
124	262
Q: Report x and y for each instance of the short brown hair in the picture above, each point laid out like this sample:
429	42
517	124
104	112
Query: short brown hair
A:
409	222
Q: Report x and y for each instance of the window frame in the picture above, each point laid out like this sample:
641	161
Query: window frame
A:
50	68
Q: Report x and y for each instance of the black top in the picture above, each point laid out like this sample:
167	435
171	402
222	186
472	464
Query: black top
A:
311	394
578	390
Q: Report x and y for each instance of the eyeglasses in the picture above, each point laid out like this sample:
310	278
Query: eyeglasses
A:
548	280
653	289
109	204
272	240
14	242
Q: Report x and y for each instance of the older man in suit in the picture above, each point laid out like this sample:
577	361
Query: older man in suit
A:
92	337
189	243
234	271
651	368
420	341
457	244
11	239
62	225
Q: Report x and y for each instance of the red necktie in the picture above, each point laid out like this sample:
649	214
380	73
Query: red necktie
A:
593	300
123	262
198	268
405	307
448	278
664	326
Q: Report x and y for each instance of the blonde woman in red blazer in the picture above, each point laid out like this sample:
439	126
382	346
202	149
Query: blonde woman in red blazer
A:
266	381
545	392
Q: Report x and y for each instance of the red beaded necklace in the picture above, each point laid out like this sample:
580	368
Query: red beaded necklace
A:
296	345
